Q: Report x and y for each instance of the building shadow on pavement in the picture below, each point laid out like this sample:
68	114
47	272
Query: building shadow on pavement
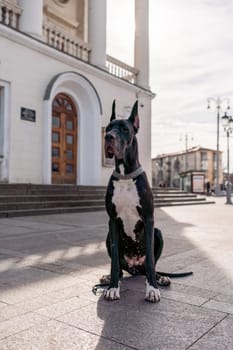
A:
49	254
188	309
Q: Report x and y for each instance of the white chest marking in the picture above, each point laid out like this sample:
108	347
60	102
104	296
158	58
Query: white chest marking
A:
126	200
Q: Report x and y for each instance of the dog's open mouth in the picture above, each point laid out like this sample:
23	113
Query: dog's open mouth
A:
109	152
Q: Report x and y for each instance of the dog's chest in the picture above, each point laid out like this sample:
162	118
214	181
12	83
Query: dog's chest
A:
126	200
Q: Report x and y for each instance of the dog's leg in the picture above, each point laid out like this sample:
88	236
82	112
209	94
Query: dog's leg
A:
106	279
113	291
158	244
152	291
162	281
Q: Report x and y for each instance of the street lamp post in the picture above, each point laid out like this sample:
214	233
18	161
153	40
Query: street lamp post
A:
227	123
218	103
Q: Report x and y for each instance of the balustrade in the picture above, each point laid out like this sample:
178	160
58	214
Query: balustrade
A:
121	69
9	14
60	40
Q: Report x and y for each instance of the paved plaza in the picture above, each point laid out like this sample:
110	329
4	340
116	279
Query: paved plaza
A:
49	264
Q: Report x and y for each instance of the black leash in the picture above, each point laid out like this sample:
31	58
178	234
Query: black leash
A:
98	289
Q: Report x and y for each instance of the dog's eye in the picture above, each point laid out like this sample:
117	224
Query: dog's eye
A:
125	129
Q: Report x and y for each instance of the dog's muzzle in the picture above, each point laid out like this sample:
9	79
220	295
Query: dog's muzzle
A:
109	146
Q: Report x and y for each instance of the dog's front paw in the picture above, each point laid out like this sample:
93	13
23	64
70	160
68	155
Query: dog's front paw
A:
152	293
112	293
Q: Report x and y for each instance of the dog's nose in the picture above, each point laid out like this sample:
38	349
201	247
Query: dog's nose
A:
109	137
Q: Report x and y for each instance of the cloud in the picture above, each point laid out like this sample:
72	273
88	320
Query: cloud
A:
191	50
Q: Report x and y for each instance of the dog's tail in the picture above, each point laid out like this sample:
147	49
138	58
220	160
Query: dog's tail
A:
174	274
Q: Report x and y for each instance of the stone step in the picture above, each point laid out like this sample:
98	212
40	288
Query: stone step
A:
76	196
71	202
48	211
175	203
20	189
50	197
50	204
174	195
184	199
33	199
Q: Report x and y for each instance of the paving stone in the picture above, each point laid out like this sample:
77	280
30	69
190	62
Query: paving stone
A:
58	336
15	278
97	219
187	290
183	260
17	225
184	298
20	286
82	290
51	263
160	325
193	296
220	306
39	244
7	231
28	305
9	263
207	275
225	298
219	338
2	305
11	253
173	246
20	323
63	307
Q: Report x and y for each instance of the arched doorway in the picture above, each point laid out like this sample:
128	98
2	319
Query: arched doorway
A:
89	110
64	140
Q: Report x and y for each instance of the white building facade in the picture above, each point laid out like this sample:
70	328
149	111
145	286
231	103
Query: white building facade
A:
57	84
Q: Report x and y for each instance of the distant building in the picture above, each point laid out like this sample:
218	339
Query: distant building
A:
57	84
177	169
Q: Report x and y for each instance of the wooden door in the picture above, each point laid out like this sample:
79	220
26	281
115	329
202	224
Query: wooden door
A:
64	141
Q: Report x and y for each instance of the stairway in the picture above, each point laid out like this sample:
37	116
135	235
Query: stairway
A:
164	197
29	199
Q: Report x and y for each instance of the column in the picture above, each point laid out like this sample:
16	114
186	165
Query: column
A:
31	19
97	22
141	42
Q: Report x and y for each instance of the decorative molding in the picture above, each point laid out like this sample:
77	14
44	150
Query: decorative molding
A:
62	2
64	20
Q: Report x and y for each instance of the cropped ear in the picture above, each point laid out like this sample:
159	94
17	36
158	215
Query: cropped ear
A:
113	116
134	118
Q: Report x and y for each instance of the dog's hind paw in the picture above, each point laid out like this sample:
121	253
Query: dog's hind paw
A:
112	293
105	279
163	281
152	293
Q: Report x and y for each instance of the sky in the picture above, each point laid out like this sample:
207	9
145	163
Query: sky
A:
191	59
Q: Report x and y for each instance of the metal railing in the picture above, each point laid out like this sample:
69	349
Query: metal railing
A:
121	69
9	14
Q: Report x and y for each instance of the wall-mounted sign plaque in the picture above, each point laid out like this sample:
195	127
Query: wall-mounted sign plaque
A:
28	114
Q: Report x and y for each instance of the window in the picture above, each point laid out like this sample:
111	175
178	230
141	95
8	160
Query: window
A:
204	161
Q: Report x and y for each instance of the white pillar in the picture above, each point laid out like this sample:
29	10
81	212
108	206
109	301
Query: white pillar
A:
97	22
141	42
31	19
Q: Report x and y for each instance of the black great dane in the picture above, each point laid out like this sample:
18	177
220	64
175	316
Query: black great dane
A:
133	243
